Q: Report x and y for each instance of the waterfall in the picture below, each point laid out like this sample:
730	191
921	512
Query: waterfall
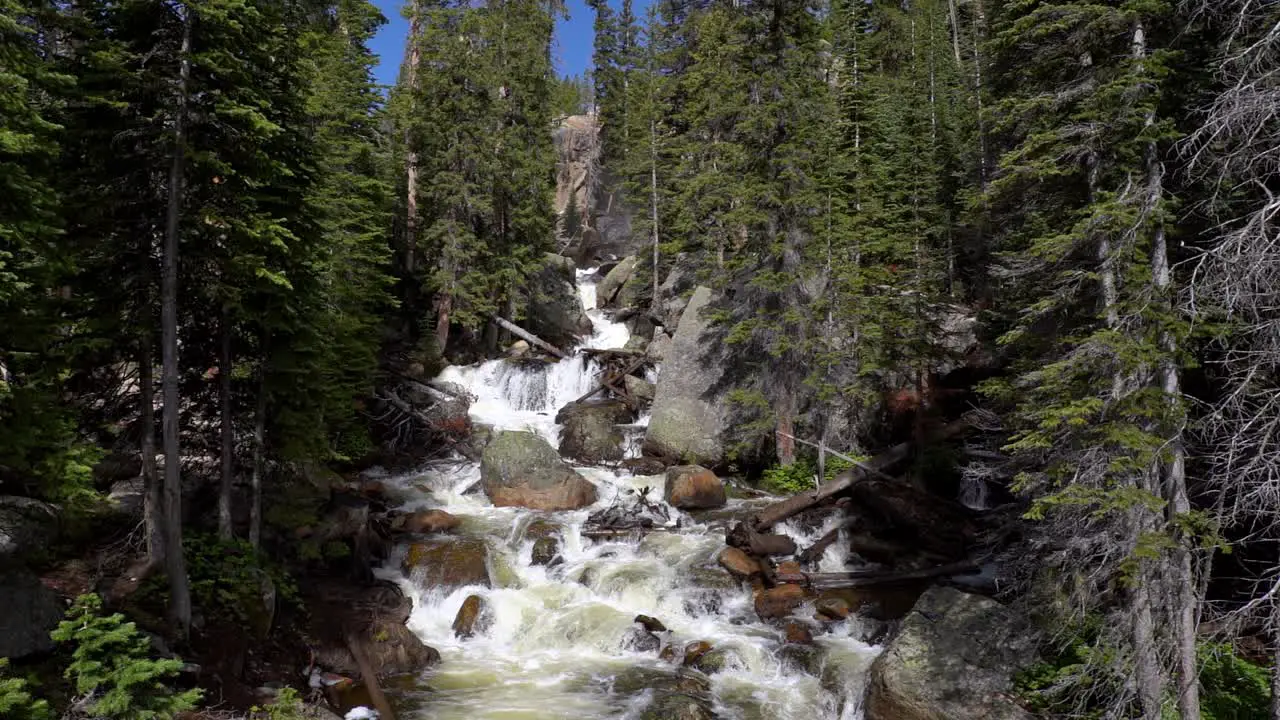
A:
554	647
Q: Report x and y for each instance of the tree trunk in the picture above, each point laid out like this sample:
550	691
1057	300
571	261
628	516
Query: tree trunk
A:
259	450
175	564
785	433
153	503
411	155
653	194
225	529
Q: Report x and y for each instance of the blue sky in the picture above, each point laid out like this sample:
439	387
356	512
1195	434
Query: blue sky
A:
572	51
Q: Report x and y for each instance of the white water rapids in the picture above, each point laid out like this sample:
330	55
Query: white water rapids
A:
555	647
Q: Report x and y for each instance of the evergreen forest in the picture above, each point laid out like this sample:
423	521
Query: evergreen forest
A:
1027	250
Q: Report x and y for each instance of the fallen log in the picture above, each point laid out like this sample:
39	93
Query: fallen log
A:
530	337
608	384
370	677
867	578
797	504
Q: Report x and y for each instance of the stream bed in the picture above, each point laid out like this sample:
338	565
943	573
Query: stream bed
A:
555	642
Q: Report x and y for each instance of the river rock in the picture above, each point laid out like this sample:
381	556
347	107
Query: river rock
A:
29	611
636	344
555	311
26	525
638	639
778	602
652	624
379	626
591	433
798	633
953	658
694	651
738	563
692	487
677	706
832	608
639	388
473	617
608	288
518	349
713	661
659	347
521	469
687	425
430	521
449	563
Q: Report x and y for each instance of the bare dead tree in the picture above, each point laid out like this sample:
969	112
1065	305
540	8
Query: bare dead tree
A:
1237	151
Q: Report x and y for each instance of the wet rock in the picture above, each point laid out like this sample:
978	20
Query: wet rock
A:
448	563
713	661
639	387
638	639
789	567
518	349
738	563
689	415
887	602
798	633
631	510
677	706
431	521
391	647
651	624
521	469
555	310
636	344
953	657
643	466
692	487
29	611
694	651
608	288
805	658
669	653
473	617
27	526
778	602
545	550
591	433
832	608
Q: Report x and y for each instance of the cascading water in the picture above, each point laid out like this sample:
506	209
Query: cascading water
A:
555	645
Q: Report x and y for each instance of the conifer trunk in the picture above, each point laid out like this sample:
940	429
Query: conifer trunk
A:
411	154
153	495
259	451
175	564
225	530
1179	566
653	195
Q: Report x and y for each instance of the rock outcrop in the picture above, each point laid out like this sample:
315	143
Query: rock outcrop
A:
391	647
953	659
26	525
521	469
687	425
28	612
692	487
555	310
608	289
590	431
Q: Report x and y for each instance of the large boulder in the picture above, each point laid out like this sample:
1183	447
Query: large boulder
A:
608	289
521	469
26	525
448	563
555	311
28	612
692	487
591	433
687	425
953	659
379	627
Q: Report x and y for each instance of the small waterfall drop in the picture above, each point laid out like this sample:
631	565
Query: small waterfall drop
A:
554	647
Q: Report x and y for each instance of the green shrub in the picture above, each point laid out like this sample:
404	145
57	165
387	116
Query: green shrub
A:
16	700
226	576
111	666
288	706
798	477
1232	688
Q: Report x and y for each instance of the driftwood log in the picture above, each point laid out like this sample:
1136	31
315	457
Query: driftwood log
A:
868	578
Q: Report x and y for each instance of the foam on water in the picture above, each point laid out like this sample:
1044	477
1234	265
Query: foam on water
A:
554	648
